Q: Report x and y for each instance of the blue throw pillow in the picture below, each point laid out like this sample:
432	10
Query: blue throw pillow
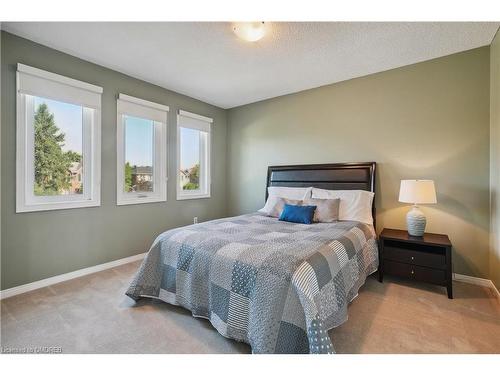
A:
298	214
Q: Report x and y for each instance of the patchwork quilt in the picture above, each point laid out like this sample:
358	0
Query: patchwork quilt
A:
275	285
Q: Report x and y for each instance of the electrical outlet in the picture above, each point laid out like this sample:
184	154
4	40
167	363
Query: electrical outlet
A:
195	220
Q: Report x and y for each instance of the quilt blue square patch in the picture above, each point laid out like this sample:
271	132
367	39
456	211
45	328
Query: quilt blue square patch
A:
186	254
243	279
291	339
168	278
219	301
321	268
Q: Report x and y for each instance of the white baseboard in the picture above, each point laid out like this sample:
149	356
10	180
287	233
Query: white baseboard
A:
477	281
67	276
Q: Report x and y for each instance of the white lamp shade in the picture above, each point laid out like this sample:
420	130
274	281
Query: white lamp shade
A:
417	192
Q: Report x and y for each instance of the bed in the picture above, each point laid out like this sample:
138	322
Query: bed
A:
275	285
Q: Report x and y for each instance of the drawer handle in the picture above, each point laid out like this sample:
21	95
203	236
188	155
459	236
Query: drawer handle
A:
412	258
412	272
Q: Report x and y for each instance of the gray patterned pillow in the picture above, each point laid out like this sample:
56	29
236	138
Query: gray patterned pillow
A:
327	210
279	205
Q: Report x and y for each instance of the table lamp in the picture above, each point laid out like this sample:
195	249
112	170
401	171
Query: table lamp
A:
417	192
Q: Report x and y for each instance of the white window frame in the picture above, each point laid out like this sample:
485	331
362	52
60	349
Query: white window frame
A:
158	113
203	124
36	82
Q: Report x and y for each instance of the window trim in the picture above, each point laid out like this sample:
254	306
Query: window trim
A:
67	90
207	128
158	113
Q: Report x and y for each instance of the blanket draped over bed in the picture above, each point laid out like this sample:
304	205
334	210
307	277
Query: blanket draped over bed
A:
276	285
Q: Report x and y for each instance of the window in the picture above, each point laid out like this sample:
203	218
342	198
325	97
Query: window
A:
58	141
141	151
193	156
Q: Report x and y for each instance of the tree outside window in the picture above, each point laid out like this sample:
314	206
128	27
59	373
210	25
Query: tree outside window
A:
56	171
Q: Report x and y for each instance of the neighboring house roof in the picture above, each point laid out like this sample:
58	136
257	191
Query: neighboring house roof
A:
75	167
142	170
185	173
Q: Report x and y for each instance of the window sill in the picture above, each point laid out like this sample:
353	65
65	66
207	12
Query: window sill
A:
20	208
135	200
193	196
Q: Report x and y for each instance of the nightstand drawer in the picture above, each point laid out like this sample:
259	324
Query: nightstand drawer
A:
433	276
419	258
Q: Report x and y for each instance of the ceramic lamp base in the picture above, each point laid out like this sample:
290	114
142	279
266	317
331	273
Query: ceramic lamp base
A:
415	221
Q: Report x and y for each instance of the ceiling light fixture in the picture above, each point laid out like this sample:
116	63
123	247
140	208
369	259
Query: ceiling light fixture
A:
250	31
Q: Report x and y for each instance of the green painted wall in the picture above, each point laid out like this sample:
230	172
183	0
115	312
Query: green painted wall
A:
428	120
495	159
43	244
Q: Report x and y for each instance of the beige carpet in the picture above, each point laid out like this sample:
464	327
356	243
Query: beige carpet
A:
92	315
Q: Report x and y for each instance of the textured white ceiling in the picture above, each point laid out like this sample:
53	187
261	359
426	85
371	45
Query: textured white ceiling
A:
208	62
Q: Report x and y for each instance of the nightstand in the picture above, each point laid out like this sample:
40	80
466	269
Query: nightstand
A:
426	259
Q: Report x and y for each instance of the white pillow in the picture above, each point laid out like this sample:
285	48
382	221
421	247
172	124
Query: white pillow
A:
275	192
355	205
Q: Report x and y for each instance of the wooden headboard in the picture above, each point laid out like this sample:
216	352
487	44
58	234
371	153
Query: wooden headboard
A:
338	176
